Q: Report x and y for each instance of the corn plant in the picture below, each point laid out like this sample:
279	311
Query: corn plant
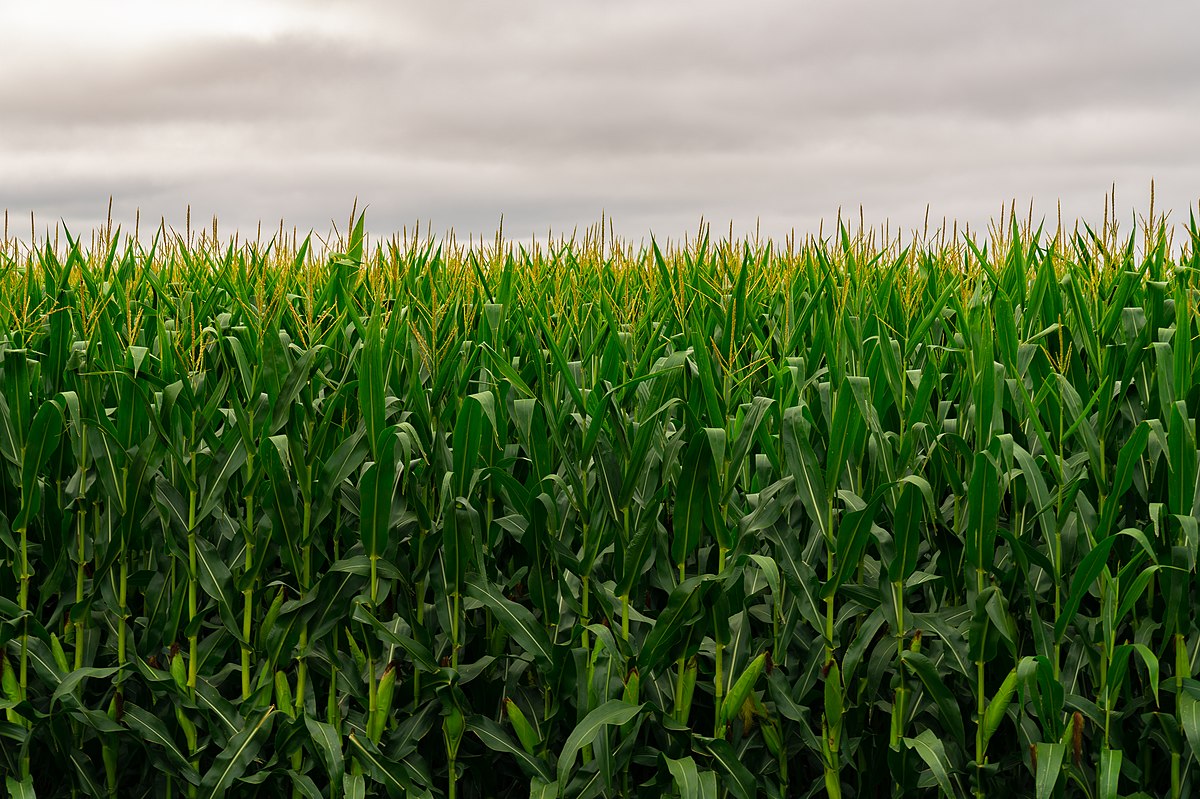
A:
845	516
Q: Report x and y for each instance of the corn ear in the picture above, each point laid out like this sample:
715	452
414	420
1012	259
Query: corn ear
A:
360	659
178	670
690	672
12	690
263	689
188	727
283	695
453	726
8	677
633	688
108	750
631	695
272	616
998	706
834	702
742	688
383	704
525	731
771	736
60	657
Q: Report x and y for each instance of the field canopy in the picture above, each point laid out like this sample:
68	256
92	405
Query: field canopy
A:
891	516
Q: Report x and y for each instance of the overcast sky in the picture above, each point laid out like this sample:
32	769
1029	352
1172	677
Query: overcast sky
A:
552	111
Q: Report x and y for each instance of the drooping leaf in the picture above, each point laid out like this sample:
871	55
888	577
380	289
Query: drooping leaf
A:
238	755
612	712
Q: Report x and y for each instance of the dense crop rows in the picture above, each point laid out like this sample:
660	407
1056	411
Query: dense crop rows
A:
590	520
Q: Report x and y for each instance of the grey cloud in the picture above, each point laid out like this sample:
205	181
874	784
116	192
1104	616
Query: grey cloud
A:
658	113
257	82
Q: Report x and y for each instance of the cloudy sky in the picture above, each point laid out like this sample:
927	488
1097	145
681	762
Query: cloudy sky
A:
550	111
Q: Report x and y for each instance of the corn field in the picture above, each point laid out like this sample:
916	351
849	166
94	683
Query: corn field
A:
844	516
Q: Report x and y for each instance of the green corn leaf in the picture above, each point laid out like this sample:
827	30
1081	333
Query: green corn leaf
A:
73	678
355	787
690	782
459	522
802	464
947	706
756	411
44	434
1120	663
305	785
372	382
691	498
467	440
1181	446
228	461
845	422
222	715
328	745
85	772
20	790
772	502
388	773
1089	569
515	618
1049	768
636	552
983	505
853	535
1189	716
542	789
737	778
612	712
214	577
419	653
493	736
932	314
154	732
906	532
1133	592
377	490
234	760
1110	774
709	404
683	607
1123	477
933	752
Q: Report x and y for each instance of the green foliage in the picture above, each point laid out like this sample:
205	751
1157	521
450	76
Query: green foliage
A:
583	519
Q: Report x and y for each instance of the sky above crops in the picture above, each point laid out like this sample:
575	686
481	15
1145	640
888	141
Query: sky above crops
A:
762	111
